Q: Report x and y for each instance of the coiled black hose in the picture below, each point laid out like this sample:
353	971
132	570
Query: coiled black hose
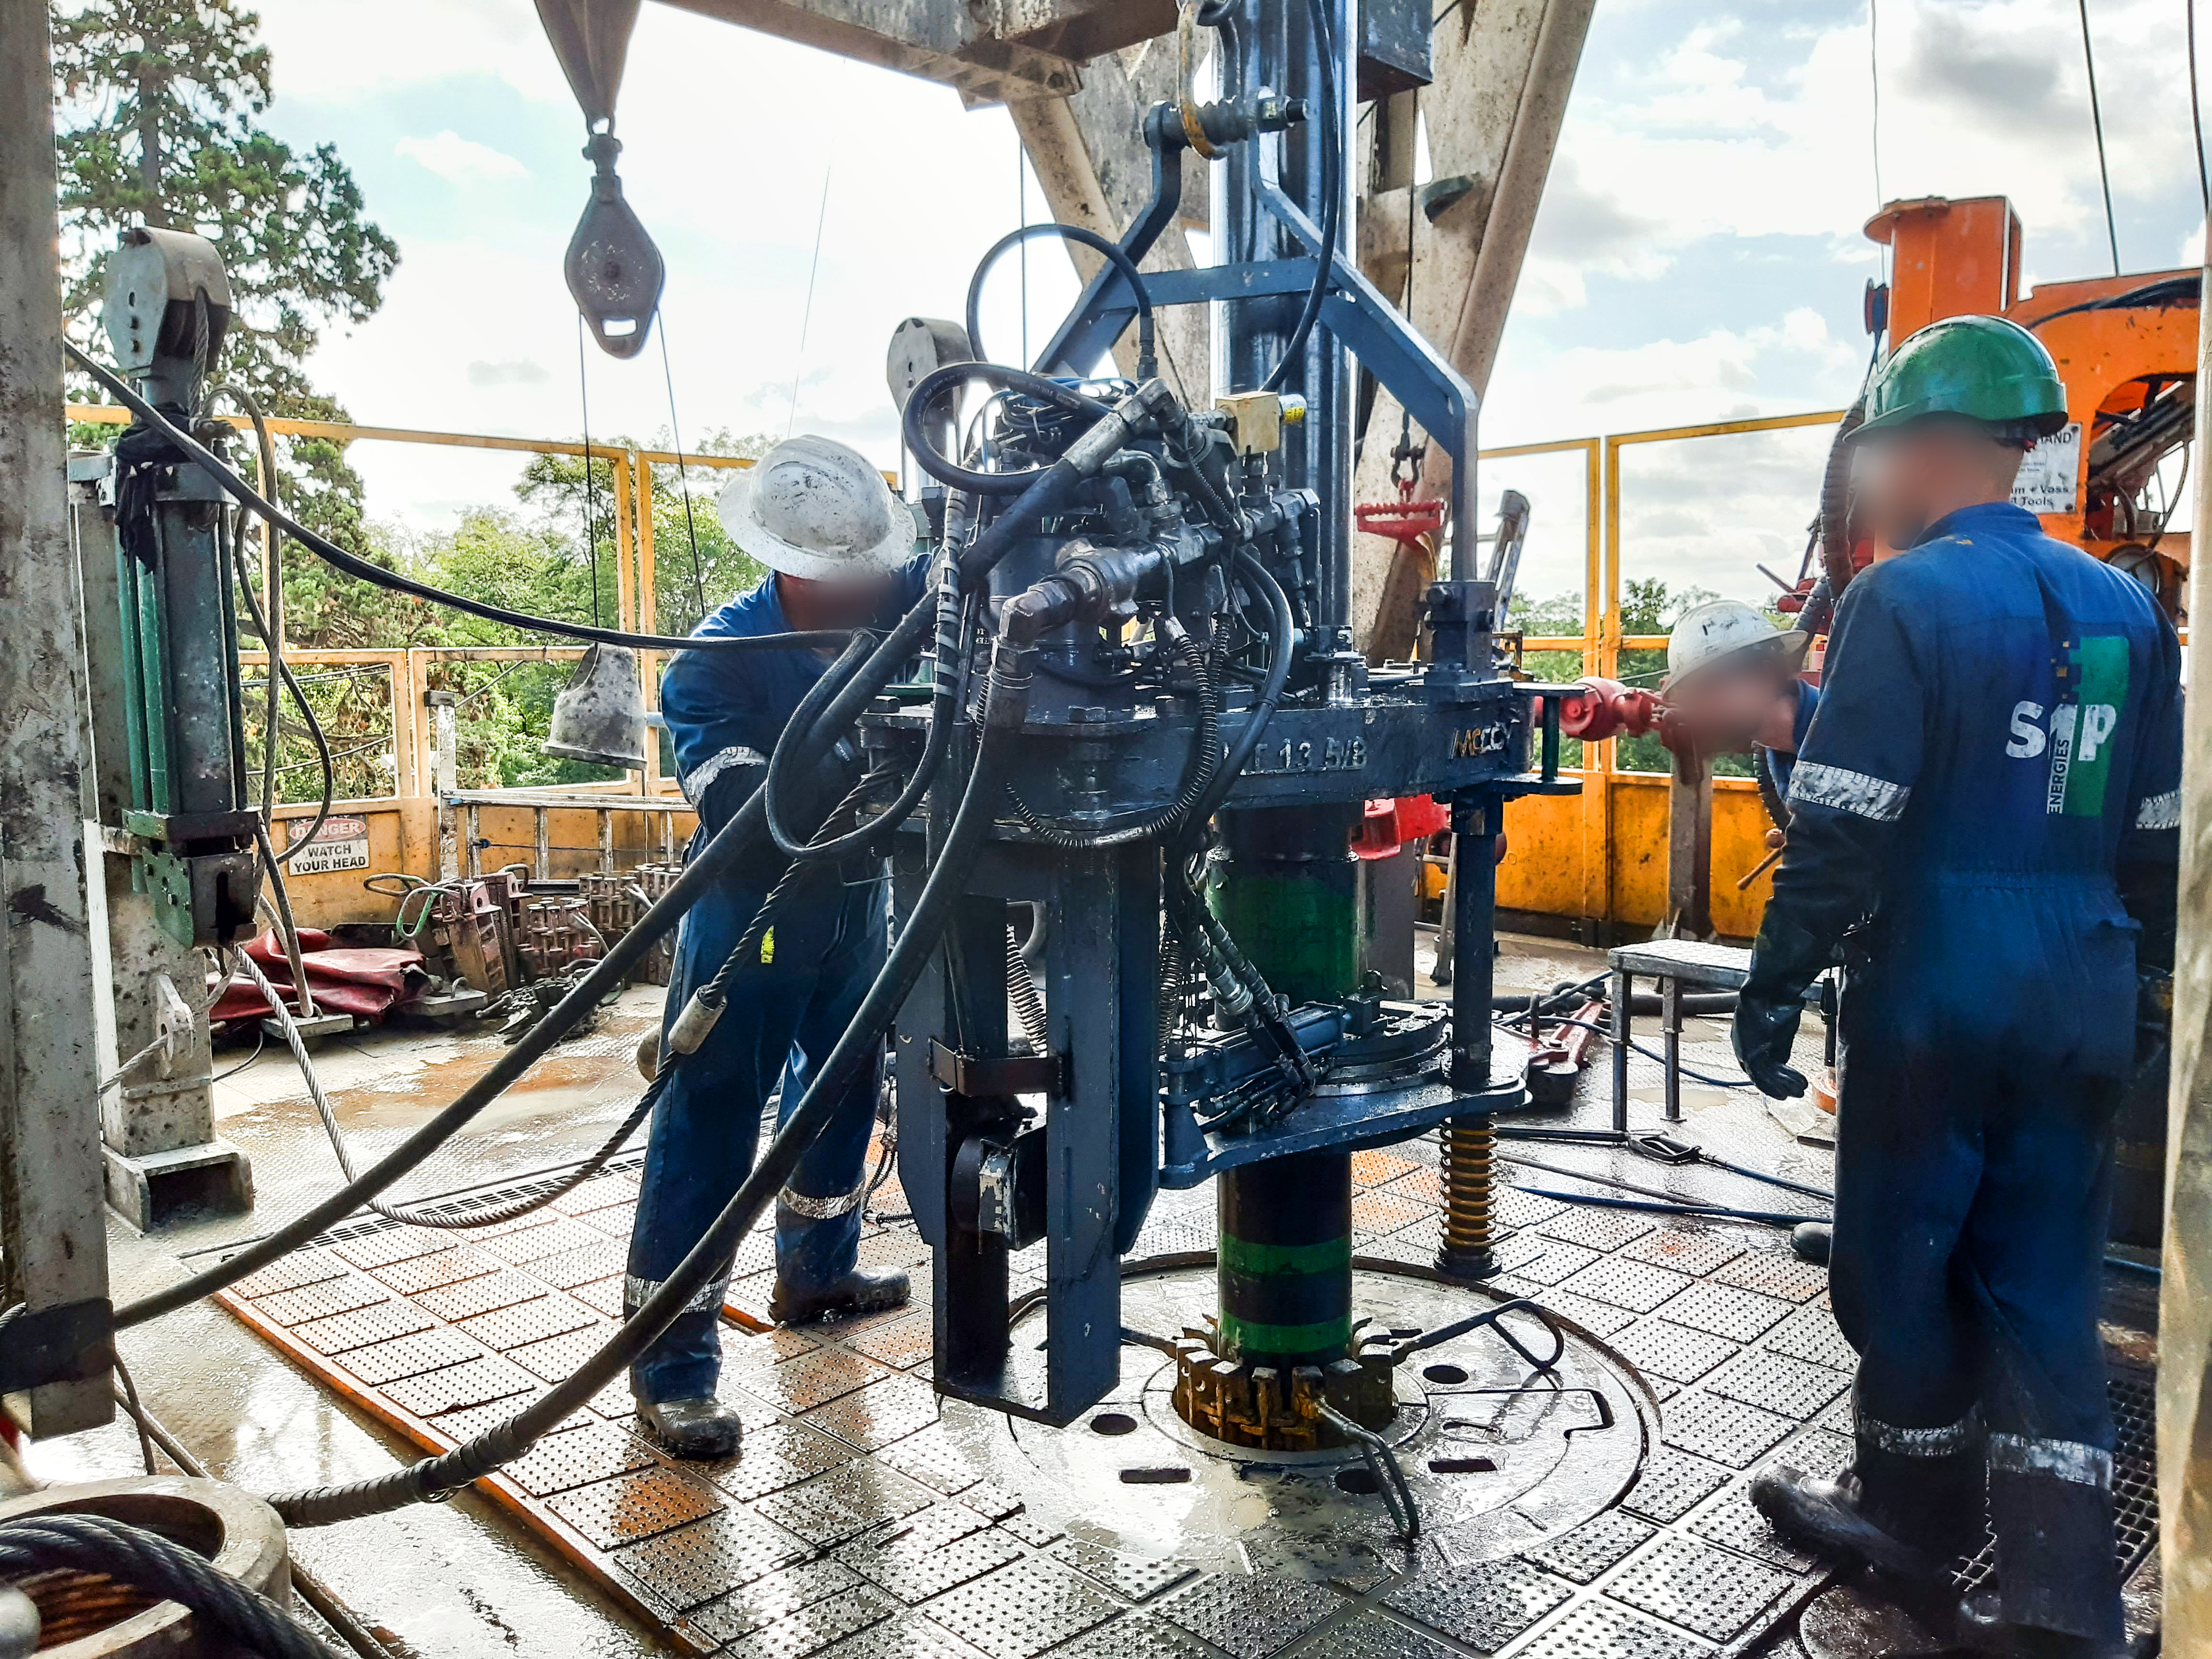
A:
1197	773
914	425
1148	360
857	1048
331	554
147	1561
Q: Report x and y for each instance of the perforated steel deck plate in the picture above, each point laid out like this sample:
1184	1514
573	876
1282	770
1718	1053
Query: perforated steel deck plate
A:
1810	1333
1673	1483
1593	1547
1727	1430
1135	1577
1249	1617
770	1598
1639	1287
1711	1591
861	1521
1487	1607
1135	1636
1021	1610
1593	1626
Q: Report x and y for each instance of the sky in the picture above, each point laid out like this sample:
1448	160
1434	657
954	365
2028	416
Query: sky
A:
1698	256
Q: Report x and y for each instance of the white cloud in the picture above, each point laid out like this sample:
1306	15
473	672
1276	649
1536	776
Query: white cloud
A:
461	160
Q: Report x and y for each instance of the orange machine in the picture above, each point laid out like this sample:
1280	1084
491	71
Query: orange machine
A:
2126	346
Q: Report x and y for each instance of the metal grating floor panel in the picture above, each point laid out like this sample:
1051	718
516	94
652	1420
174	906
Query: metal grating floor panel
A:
866	1518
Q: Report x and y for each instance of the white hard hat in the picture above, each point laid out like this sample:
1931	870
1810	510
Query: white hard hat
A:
814	508
1719	629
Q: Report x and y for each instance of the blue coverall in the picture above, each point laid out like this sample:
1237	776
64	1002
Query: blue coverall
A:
786	1004
1779	763
1997	748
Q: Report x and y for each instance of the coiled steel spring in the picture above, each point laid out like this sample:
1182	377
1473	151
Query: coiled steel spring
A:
1470	1192
1022	989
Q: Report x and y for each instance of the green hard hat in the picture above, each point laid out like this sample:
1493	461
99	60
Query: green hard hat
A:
1984	368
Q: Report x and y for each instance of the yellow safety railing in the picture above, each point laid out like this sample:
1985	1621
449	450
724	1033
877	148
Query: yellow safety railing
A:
1598	860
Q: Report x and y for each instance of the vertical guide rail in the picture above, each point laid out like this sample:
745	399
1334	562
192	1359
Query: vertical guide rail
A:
51	1224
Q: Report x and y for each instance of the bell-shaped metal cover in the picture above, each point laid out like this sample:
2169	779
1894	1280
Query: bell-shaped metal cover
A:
600	718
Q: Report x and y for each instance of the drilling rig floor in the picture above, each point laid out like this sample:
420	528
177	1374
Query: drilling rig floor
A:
1576	1466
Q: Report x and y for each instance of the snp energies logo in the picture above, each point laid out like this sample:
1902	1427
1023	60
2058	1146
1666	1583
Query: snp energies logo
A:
2092	677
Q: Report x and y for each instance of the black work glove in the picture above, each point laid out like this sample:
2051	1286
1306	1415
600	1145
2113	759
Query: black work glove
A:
1765	1030
1785	959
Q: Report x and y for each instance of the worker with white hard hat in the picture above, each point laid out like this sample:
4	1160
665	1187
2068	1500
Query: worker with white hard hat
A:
1732	684
840	551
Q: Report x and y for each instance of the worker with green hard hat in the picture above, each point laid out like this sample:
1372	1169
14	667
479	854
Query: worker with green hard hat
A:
1983	829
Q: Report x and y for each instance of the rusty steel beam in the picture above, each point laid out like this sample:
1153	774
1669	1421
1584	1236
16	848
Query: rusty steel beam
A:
52	1226
1504	71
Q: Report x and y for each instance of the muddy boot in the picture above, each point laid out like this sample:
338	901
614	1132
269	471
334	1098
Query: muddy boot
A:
1981	1628
1825	1517
648	1054
857	1292
703	1429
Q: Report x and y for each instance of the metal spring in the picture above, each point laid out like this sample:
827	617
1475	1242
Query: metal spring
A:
1029	1006
1470	1155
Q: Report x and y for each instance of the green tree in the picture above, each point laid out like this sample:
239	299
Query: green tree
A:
158	110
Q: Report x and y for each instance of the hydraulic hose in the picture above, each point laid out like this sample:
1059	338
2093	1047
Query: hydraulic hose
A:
1331	213
365	570
943	712
736	841
916	427
857	1048
1283	630
1197	773
1148	360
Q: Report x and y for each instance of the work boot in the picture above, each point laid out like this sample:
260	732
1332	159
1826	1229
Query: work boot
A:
1824	1516
857	1292
1981	1628
705	1429
1813	1241
648	1054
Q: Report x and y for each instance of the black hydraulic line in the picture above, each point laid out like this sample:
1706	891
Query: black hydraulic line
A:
1147	359
1284	630
858	1047
307	714
365	570
170	1572
2166	291
1197	774
1641	1002
1709	1212
915	426
736	840
943	712
1602	1181
1333	195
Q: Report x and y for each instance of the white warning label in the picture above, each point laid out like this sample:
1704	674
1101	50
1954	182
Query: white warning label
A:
340	844
2050	478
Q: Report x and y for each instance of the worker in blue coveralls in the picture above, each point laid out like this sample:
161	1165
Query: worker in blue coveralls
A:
1732	684
1984	819
840	549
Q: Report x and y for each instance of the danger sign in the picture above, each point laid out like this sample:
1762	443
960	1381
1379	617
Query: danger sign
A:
340	844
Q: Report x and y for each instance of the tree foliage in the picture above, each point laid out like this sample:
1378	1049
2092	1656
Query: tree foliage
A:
158	110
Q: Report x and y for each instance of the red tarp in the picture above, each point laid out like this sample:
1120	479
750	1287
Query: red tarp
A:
364	984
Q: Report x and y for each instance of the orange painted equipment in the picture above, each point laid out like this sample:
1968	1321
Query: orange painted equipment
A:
2128	367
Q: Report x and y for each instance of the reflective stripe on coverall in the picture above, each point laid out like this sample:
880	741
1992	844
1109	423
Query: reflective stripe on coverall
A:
786	1006
1998	735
